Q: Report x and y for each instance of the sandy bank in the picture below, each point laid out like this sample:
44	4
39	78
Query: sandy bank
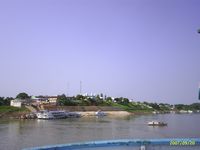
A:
109	113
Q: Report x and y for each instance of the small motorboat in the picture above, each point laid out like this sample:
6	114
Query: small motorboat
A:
156	123
100	113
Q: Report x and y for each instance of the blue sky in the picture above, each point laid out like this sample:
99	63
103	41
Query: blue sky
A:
146	50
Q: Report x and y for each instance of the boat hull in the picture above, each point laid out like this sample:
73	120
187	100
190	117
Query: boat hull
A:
46	115
156	123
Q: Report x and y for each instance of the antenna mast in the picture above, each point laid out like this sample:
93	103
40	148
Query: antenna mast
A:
67	88
199	92
80	87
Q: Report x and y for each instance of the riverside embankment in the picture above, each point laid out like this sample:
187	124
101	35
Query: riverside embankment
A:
90	110
22	113
12	112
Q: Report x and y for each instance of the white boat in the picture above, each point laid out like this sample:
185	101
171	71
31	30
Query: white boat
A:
100	113
45	114
183	111
155	112
156	123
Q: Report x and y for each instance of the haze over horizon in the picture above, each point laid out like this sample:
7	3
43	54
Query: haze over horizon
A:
145	50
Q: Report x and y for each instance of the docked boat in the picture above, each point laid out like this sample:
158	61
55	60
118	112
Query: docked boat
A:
156	123
100	113
45	114
190	111
73	115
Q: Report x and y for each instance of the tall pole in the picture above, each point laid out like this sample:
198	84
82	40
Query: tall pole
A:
80	87
199	91
199	84
67	88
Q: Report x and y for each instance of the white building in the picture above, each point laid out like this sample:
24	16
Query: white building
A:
19	102
16	103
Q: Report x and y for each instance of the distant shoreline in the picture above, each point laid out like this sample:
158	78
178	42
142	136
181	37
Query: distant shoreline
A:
17	115
9	112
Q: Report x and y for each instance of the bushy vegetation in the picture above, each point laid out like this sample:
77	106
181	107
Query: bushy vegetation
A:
81	100
123	103
5	101
194	106
102	100
98	100
133	107
23	95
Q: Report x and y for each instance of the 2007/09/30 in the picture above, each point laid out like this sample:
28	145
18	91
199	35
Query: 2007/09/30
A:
184	142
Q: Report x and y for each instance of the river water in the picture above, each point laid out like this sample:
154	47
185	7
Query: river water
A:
18	134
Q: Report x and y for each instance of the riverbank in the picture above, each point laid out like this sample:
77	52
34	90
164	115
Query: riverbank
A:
109	113
12	112
18	115
85	114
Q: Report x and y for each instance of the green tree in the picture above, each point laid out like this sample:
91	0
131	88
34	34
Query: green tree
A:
118	100
154	106
180	106
121	100
80	97
125	101
23	95
109	99
92	101
98	100
1	101
62	99
195	106
85	103
7	101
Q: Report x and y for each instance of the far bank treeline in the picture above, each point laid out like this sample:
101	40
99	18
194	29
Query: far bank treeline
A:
102	100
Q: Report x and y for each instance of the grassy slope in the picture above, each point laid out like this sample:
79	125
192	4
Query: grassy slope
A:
132	107
11	109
